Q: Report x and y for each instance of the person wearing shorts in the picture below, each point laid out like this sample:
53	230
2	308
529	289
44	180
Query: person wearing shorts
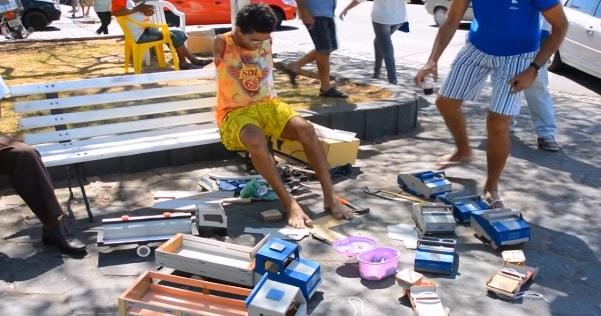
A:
503	43
248	111
318	17
140	12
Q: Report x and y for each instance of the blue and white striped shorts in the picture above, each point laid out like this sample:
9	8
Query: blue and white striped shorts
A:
470	69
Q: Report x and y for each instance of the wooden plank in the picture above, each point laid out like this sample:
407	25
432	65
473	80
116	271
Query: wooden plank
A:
200	283
115	113
110	82
201	297
125	139
118	128
171	245
112	97
138	148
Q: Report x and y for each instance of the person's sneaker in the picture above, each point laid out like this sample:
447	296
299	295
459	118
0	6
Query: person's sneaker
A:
201	62
548	143
188	66
332	93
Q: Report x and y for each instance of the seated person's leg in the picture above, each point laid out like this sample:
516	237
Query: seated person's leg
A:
241	131
284	122
31	181
179	39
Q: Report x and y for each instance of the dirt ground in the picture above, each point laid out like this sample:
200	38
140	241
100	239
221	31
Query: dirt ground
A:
22	63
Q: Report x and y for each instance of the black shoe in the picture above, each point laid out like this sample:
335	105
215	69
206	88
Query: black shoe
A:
548	143
201	62
332	93
291	75
60	236
188	66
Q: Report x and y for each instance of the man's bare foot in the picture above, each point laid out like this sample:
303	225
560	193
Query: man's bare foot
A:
297	218
453	160
493	198
340	211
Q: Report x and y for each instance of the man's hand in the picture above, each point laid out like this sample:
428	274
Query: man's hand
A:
146	9
343	14
523	80
429	68
307	19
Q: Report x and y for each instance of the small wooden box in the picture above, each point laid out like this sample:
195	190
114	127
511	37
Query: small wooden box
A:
210	258
149	295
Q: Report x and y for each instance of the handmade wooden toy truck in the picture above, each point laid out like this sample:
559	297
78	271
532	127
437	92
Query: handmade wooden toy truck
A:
143	230
428	184
282	262
271	298
501	227
435	255
151	295
210	258
434	218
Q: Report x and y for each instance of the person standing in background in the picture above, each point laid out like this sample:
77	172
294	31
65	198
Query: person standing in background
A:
386	16
103	10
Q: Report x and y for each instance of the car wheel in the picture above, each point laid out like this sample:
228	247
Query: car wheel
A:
35	19
279	15
171	19
555	62
440	15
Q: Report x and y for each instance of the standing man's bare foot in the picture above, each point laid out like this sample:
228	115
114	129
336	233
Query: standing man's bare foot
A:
493	198
296	217
339	211
455	159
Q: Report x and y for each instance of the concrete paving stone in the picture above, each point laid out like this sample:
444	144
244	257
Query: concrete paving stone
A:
99	296
35	304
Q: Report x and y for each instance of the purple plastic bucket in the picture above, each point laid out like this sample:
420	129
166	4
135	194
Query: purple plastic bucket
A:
353	245
378	263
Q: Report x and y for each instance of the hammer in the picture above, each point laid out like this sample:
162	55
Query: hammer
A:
356	210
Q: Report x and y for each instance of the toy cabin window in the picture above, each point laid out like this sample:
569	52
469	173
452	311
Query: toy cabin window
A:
290	258
271	266
216	218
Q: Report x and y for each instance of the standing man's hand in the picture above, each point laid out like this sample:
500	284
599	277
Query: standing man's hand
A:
429	68
523	80
307	19
343	14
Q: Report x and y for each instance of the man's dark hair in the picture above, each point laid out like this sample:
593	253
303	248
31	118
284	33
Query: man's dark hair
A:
256	17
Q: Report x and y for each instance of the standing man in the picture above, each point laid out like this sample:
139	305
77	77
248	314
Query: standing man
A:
540	105
503	42
318	17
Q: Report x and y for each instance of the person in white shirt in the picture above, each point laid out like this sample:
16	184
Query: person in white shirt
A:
140	12
386	16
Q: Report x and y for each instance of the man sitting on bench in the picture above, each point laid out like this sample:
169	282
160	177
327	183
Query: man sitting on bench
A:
247	109
140	12
31	180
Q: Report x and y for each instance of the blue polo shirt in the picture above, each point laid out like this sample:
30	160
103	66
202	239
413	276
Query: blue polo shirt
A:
324	8
507	27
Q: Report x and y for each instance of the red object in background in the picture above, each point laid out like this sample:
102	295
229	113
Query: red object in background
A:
201	12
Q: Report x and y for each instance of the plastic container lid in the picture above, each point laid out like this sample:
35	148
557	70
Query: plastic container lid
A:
354	245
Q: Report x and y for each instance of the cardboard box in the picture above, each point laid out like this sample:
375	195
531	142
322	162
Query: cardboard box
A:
338	153
200	41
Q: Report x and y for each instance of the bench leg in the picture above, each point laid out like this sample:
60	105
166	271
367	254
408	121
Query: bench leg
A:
80	180
71	196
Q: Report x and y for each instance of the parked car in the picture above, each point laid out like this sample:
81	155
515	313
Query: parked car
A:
201	12
439	9
581	47
38	14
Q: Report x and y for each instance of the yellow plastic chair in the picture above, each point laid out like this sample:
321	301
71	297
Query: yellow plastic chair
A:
135	51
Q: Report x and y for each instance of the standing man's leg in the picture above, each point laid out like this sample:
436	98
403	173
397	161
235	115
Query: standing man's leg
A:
497	151
30	179
383	33
450	109
540	105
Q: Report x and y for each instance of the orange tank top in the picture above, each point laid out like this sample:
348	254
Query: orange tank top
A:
244	77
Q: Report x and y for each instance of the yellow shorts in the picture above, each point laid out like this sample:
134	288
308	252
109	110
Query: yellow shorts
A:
271	116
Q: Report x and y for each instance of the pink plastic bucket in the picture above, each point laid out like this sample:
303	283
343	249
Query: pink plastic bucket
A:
378	263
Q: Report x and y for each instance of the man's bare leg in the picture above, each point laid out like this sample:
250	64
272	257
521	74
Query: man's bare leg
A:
254	140
302	131
450	109
322	59
306	59
497	151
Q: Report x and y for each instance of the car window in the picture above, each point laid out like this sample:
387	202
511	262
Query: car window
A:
585	6
598	13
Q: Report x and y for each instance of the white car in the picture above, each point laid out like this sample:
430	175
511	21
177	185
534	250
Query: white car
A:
439	9
581	48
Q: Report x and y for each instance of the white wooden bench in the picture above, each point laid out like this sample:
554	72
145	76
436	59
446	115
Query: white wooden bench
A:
77	121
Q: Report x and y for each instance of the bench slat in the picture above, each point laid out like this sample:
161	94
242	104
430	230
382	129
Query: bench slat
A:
108	82
115	113
123	139
145	145
118	128
112	97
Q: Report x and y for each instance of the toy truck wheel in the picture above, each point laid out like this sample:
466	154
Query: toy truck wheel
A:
143	251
